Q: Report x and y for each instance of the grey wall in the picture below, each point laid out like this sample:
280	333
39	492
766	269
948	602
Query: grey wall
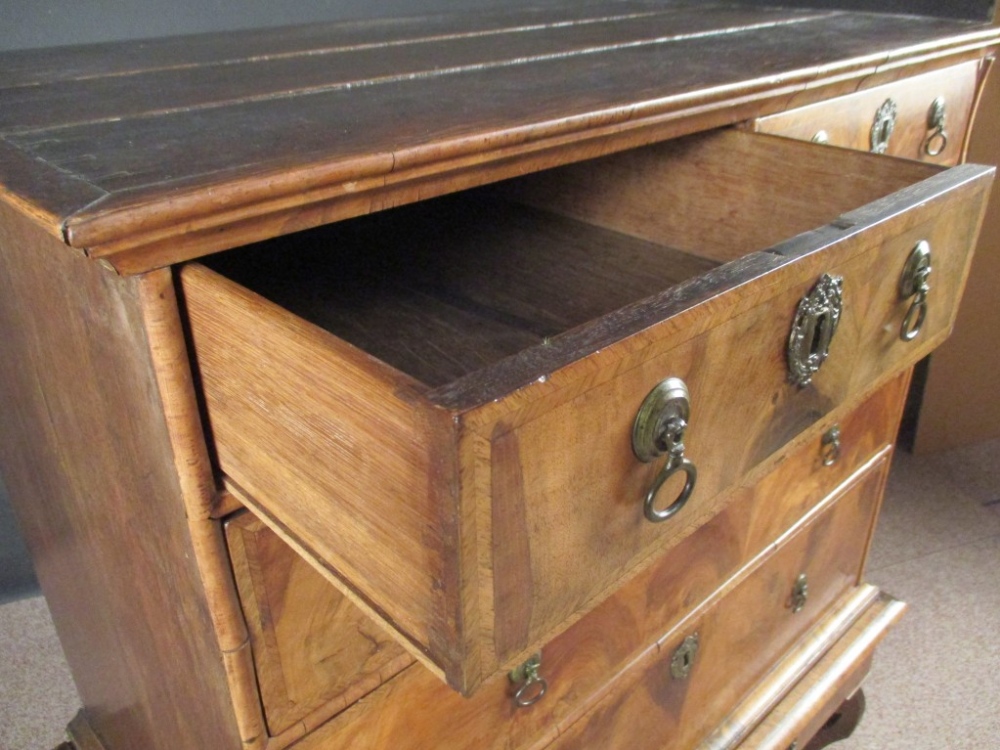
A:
47	23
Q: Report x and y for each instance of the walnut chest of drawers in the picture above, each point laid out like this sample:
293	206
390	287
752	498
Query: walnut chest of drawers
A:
514	380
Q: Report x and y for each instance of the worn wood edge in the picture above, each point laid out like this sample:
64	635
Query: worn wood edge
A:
851	614
473	662
829	677
174	379
226	504
199	279
20	170
313	206
132	236
417	650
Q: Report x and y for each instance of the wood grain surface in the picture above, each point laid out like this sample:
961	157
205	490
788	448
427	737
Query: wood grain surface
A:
314	652
128	149
89	466
740	638
847	120
355	436
834	679
596	657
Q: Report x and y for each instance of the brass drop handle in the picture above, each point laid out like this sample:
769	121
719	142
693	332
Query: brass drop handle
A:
937	138
659	429
800	594
532	687
913	283
882	126
830	446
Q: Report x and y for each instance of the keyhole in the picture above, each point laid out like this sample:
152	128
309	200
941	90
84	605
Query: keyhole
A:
816	345
885	133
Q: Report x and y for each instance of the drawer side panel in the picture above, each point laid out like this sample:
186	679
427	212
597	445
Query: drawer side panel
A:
344	459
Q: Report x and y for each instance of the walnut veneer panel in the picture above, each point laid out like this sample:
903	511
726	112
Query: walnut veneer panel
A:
596	656
306	126
314	651
393	479
740	637
90	469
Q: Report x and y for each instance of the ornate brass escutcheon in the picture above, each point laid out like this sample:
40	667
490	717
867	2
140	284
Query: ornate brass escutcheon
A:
882	126
830	446
937	137
532	687
800	593
913	283
682	662
812	332
659	429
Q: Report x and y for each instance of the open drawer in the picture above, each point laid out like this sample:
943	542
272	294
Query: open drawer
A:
436	405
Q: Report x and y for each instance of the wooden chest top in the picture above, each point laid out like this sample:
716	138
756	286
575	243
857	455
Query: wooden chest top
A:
152	152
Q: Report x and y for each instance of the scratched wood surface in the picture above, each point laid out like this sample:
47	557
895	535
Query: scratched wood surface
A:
149	152
356	436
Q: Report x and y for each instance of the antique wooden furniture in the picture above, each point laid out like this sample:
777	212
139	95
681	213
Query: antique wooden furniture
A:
521	379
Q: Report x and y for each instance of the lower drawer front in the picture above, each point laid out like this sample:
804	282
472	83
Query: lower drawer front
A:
415	710
314	652
929	116
673	698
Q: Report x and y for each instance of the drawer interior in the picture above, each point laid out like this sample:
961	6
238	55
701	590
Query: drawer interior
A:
449	286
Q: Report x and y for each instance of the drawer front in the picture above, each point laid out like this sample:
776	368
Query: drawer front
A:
678	694
568	491
314	652
480	518
918	131
582	663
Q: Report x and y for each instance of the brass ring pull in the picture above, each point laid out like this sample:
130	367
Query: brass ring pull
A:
939	133
533	686
672	467
914	319
913	283
937	141
659	429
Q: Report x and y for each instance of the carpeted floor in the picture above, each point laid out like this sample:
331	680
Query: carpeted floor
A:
936	680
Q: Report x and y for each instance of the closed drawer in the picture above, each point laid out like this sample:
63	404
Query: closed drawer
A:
597	656
925	117
314	652
679	693
435	405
